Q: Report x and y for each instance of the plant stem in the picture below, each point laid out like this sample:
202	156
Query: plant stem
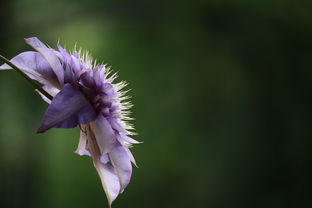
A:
34	84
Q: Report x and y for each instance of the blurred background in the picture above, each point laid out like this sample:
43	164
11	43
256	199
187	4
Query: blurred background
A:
222	93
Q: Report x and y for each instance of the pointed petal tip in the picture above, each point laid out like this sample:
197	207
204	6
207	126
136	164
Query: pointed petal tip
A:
33	40
30	38
5	67
109	180
109	203
82	153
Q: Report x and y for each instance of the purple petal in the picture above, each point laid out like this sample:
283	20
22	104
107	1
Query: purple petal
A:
75	64
69	75
49	56
104	159
104	134
64	53
122	138
82	148
105	169
116	125
122	165
108	89
130	155
68	109
86	79
98	74
109	180
35	66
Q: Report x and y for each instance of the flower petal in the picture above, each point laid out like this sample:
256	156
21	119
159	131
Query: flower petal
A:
68	109
105	169
104	134
117	125
82	146
87	80
122	165
49	56
51	90
35	66
109	180
122	138
104	159
130	155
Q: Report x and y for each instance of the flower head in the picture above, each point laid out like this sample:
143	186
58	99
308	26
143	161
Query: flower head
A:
84	95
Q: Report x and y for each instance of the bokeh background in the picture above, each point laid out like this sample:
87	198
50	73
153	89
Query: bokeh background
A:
222	93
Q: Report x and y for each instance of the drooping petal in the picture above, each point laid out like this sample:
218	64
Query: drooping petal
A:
35	66
48	54
104	134
105	169
122	165
109	180
68	109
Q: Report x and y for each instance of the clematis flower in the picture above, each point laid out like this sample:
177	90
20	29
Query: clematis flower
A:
83	94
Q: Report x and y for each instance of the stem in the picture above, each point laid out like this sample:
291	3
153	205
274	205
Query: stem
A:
34	84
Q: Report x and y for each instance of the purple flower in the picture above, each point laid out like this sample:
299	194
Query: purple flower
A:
84	95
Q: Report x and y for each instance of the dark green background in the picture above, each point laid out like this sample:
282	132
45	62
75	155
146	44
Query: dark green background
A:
222	93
